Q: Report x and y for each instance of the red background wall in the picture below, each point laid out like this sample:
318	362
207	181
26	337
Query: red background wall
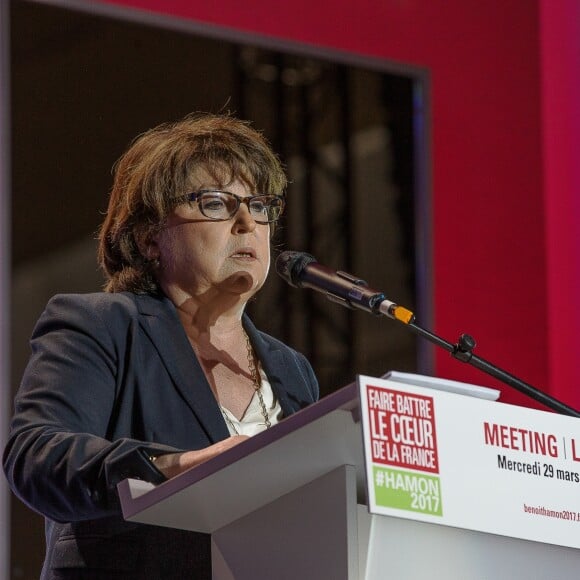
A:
505	142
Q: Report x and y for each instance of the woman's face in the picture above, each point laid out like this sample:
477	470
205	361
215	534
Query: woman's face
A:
209	259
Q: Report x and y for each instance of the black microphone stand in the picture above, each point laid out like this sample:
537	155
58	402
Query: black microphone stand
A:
463	351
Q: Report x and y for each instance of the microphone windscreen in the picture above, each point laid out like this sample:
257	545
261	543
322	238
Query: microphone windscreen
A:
290	265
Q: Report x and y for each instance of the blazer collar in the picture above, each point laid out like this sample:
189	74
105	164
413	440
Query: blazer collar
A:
160	321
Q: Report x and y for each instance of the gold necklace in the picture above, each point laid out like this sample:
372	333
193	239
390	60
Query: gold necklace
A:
256	379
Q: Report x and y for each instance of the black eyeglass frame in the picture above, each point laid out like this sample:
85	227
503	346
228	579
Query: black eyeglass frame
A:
195	197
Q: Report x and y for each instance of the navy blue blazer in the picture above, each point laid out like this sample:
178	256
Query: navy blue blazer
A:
111	381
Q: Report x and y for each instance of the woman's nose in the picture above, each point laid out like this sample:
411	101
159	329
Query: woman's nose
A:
243	220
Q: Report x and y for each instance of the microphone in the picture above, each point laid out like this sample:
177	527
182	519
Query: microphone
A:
301	270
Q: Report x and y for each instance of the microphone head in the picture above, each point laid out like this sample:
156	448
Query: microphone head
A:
290	265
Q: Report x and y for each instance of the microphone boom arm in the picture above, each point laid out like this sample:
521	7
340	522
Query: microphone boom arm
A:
463	351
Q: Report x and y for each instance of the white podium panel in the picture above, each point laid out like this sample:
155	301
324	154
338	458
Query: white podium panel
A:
286	504
320	543
407	549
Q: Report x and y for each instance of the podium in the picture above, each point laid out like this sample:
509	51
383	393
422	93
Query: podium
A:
291	503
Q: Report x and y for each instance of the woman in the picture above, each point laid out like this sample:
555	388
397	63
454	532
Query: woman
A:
163	370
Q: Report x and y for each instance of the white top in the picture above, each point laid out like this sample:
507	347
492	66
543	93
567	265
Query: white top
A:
252	421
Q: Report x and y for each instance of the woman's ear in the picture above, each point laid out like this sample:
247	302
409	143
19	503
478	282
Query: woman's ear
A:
147	244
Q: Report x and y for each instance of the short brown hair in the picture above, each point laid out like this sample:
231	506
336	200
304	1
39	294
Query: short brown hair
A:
158	167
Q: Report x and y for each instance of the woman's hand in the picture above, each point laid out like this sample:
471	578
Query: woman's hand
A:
173	464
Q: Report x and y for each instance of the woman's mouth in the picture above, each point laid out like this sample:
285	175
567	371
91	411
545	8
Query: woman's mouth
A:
245	254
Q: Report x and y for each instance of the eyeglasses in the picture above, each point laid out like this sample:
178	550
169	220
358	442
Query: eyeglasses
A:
223	205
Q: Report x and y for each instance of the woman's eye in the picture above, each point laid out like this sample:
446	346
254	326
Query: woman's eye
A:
213	205
258	207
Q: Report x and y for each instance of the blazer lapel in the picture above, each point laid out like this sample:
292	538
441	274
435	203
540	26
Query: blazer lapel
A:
160	322
281	371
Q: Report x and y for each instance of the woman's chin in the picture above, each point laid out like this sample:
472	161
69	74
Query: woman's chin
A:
241	283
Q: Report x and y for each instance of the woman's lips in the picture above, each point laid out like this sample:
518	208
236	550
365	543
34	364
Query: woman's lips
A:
244	253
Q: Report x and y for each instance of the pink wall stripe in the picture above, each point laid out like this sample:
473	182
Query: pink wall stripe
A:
560	33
